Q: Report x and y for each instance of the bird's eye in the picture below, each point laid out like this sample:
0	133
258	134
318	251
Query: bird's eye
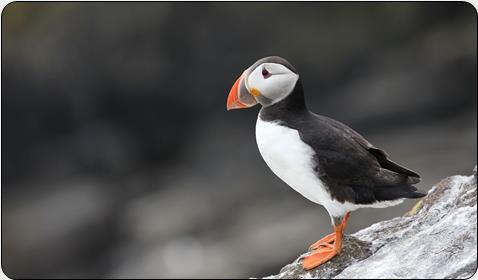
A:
265	73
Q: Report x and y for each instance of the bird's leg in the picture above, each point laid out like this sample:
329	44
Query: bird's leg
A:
329	239
330	246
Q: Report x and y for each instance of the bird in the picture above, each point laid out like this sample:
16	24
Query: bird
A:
323	159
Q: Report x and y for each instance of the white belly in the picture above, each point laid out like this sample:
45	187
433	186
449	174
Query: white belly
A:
291	160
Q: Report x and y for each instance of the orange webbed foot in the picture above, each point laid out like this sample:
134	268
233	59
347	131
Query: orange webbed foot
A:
329	239
326	248
319	256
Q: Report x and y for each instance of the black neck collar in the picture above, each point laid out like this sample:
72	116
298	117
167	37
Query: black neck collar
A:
294	103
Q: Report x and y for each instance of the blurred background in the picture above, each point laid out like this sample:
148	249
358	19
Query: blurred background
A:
120	160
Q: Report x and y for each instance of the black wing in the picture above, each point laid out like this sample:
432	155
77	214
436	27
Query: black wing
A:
354	169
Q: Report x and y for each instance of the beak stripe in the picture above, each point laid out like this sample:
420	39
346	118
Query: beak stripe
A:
233	101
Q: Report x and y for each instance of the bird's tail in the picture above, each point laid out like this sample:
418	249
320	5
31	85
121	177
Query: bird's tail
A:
396	192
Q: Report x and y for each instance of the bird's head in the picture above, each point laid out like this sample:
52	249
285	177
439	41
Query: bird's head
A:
268	81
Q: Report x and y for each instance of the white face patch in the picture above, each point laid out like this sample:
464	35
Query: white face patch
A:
273	81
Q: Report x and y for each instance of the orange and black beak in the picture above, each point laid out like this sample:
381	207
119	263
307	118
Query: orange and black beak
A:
239	97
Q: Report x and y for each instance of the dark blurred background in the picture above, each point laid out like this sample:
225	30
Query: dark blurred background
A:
120	160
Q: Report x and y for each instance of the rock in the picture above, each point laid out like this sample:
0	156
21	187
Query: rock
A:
51	228
436	239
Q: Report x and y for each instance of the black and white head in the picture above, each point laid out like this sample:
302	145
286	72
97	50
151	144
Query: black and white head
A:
268	81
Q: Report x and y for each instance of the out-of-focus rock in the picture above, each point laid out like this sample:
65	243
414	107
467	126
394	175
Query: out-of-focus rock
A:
436	239
51	228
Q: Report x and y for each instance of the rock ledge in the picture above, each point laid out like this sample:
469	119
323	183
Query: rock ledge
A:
436	239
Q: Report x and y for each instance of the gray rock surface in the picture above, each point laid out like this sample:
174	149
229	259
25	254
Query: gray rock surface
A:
436	239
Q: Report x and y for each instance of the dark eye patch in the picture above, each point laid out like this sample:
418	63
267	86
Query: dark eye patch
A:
265	73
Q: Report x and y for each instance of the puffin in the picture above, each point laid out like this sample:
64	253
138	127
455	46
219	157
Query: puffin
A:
324	160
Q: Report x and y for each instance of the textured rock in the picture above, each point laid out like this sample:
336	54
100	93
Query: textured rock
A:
435	239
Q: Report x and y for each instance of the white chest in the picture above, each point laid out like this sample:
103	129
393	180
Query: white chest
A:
290	159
